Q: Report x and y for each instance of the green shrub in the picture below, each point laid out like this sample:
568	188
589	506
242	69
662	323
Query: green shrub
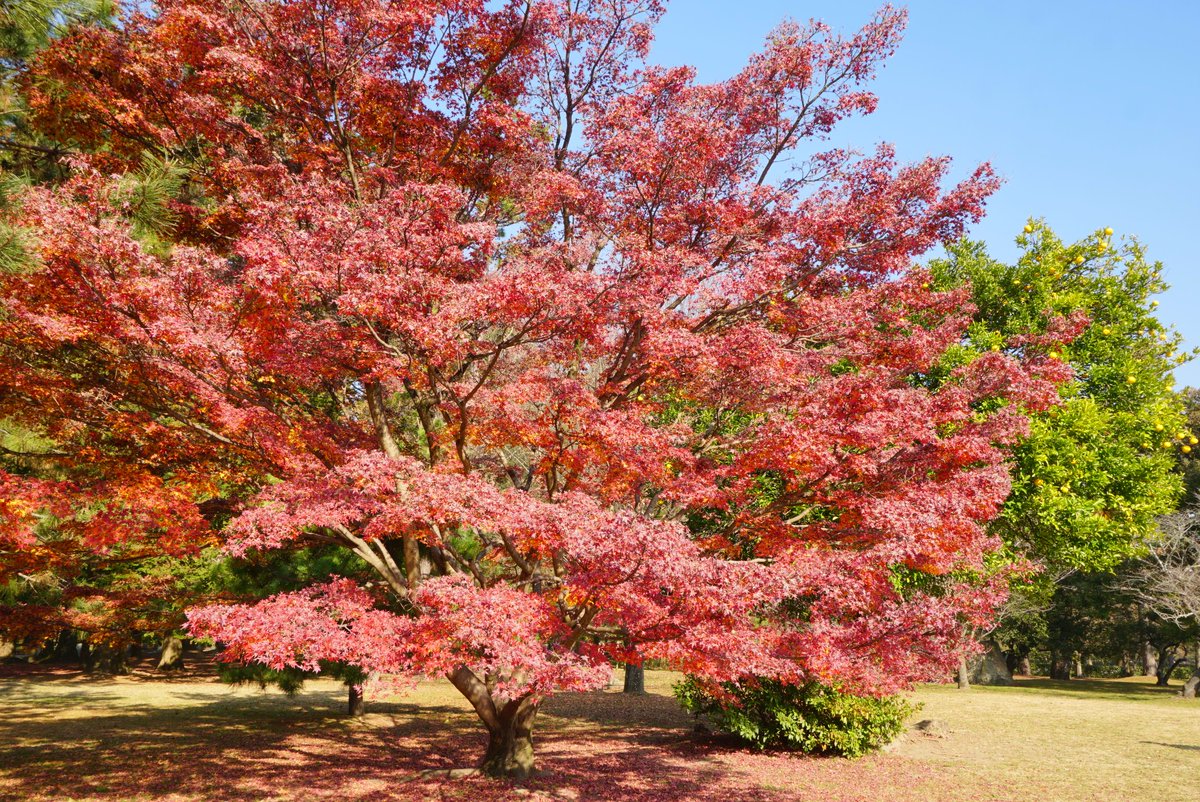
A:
812	718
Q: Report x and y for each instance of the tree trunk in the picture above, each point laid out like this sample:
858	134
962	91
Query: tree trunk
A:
510	745
1078	666
172	653
1025	669
1167	661
1193	682
964	673
107	659
509	726
635	678
1149	660
1060	666
65	646
355	705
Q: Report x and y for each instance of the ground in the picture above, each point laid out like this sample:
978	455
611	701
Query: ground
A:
190	738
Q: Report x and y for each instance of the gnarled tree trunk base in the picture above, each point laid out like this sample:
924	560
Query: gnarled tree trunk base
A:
509	724
510	749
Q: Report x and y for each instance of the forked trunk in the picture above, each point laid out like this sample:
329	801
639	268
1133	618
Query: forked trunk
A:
510	745
509	723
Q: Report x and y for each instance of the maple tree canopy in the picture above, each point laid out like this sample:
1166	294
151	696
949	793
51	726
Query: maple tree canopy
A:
587	360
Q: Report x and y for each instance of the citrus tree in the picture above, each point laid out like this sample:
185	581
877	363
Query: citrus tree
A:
1096	471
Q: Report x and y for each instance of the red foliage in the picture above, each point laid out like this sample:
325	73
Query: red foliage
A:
463	287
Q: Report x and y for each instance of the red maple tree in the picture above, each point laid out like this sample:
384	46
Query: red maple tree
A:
528	326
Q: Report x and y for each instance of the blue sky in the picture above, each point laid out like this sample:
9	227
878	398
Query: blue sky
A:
1090	111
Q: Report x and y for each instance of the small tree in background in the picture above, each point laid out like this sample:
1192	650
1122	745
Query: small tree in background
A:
1167	583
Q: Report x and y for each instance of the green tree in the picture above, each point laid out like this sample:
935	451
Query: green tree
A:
1189	459
1094	473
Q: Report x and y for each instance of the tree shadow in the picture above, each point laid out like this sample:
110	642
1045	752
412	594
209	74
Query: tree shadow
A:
93	743
1099	687
1185	747
197	667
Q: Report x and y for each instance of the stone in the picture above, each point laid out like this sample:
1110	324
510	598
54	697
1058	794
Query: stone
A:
932	728
990	668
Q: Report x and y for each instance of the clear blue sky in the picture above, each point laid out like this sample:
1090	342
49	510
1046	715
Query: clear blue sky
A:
1090	110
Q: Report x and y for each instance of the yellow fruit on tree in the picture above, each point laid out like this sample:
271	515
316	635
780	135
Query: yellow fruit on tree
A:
1028	229
1108	232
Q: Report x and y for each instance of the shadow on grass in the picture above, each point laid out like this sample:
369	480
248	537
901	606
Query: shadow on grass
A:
197	667
1185	747
1133	689
197	745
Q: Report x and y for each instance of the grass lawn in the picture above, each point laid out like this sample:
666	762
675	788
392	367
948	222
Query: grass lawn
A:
67	737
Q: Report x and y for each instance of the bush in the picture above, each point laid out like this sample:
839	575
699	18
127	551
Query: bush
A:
812	718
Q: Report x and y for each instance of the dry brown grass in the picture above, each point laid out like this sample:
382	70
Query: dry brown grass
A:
1082	740
71	738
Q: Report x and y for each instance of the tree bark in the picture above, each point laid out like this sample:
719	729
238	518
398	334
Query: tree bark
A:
1193	682
355	705
964	674
635	678
172	653
510	727
1168	660
1060	666
1078	666
1149	660
1024	668
510	745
